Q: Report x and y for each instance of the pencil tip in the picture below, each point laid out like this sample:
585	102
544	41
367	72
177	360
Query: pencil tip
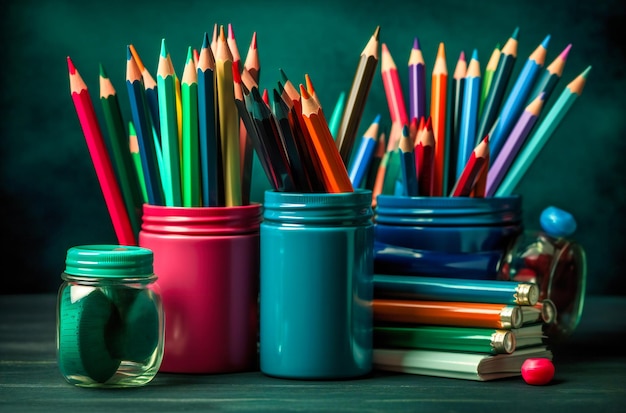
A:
377	32
231	33
475	54
462	55
70	65
416	43
545	42
303	92
441	51
254	40
103	73
129	53
205	40
565	51
283	76
163	48
515	33
377	119
585	73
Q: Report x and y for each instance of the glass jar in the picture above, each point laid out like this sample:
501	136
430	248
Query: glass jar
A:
557	264
110	322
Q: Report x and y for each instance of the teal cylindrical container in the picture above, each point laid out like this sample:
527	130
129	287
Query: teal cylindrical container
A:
110	321
316	285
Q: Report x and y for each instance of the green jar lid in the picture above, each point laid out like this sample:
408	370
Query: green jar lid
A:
109	261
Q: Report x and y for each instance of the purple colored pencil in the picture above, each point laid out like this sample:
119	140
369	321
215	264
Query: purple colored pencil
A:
417	82
513	144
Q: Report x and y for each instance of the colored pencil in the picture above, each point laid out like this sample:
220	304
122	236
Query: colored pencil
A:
212	181
228	122
549	78
412	287
280	111
393	174
149	145
417	82
253	63
514	103
100	157
479	159
151	91
425	159
334	172
166	81
379	153
438	102
513	144
407	163
337	113
232	46
463	339
499	85
119	153
253	134
311	161
393	93
448	313
357	97
490	69
544	131
469	114
133	146
363	157
454	116
215	38
191	187
381	174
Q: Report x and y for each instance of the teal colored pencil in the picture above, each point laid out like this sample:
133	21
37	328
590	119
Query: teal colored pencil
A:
514	103
407	164
190	161
166	83
335	117
546	128
148	145
118	146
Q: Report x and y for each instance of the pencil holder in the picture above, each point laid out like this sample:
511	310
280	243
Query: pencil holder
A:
207	259
553	260
459	237
109	317
316	285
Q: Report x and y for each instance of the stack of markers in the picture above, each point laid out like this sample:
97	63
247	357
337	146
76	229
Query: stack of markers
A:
458	328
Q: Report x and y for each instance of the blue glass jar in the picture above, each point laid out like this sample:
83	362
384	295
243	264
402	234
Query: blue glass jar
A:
458	237
316	285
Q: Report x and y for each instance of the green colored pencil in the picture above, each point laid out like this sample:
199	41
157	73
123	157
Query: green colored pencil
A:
190	144
489	71
335	117
168	115
133	145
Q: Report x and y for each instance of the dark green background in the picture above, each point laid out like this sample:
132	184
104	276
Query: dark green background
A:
49	194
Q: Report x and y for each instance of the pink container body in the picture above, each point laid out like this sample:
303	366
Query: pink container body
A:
207	264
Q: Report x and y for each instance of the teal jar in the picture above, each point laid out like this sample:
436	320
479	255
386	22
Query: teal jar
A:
110	321
316	285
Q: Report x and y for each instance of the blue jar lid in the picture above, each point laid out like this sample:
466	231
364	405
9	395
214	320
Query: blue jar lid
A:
435	211
109	261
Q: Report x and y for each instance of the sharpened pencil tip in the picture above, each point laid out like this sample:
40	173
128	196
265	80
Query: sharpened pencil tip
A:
163	48
475	54
70	66
515	33
585	73
129	53
103	73
377	119
253	43
565	52
545	42
462	55
303	92
416	43
205	41
283	76
376	33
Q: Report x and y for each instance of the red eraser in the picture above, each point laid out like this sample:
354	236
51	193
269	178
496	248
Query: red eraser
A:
537	371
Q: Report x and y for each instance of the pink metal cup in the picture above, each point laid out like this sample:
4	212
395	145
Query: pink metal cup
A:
207	261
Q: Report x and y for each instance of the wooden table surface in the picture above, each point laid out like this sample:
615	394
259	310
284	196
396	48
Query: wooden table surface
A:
590	377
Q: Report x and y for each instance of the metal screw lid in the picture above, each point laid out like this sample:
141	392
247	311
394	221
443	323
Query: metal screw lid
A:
503	341
526	294
511	317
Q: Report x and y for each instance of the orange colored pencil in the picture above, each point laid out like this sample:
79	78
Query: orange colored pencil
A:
100	157
438	104
334	171
461	314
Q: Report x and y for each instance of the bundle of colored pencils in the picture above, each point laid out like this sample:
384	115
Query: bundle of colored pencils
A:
190	141
483	131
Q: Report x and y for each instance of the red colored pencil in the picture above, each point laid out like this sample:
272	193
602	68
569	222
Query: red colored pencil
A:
479	160
100	157
393	90
425	158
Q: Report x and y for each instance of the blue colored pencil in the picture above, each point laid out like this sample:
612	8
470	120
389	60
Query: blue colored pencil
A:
363	157
469	114
514	104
